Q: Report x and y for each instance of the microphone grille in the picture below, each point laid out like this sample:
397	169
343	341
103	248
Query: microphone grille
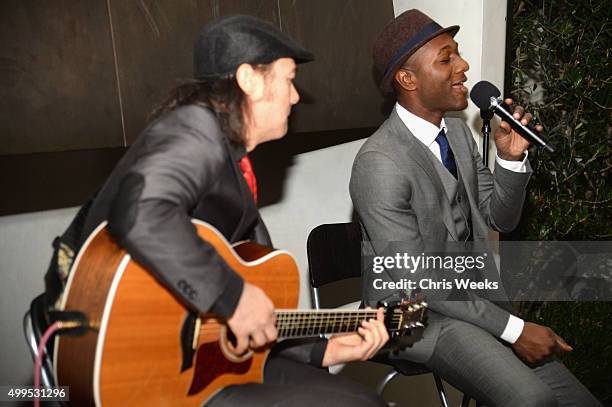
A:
481	94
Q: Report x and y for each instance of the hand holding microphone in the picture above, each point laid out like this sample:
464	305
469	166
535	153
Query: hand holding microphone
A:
514	135
511	145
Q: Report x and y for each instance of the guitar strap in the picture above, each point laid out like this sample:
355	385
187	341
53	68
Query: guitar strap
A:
65	248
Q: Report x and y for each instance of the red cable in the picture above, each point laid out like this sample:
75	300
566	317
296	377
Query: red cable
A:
41	352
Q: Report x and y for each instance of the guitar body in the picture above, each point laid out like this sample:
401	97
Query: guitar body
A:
134	353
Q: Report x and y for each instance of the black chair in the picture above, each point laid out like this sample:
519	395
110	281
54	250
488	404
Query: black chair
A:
334	254
34	325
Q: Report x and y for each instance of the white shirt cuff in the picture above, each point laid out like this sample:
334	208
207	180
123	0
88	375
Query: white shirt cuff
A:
515	166
513	330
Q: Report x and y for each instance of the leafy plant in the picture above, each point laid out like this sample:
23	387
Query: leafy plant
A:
562	73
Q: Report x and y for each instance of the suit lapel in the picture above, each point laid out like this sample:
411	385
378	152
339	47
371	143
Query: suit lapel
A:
463	156
418	152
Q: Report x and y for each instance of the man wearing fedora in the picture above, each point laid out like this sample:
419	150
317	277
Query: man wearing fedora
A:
191	162
419	179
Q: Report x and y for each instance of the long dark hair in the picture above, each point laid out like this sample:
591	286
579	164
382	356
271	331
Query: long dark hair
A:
221	95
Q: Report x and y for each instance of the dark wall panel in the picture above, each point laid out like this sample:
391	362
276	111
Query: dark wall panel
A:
59	93
338	89
33	182
154	50
155	47
264	9
57	80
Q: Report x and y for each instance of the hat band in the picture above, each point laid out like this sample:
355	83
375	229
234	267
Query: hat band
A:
413	41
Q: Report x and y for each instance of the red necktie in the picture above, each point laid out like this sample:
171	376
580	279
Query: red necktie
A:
249	176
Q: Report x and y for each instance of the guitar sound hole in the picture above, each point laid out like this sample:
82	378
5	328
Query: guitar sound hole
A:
228	343
232	338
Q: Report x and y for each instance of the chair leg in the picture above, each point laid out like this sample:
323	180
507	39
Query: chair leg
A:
390	376
441	391
465	401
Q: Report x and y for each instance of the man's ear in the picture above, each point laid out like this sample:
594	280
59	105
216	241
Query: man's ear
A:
406	79
250	81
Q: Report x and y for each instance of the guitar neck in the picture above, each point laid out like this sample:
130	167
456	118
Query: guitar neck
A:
301	323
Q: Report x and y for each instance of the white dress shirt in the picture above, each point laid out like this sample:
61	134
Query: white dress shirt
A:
426	132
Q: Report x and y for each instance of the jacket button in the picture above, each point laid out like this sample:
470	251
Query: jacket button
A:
459	198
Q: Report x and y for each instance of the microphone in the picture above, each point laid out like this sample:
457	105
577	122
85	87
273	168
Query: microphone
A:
487	97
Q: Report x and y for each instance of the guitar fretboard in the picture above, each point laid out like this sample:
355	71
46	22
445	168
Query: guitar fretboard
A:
295	323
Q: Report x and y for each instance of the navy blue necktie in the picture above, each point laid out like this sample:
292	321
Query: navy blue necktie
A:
448	158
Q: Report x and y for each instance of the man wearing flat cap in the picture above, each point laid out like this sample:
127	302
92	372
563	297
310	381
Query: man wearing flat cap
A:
419	180
191	162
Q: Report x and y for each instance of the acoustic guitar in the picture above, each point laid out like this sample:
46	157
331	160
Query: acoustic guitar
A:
144	347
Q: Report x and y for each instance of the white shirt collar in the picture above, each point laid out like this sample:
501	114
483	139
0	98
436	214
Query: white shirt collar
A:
423	130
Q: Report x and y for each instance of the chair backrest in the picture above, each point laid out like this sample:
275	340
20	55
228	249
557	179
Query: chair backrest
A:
334	253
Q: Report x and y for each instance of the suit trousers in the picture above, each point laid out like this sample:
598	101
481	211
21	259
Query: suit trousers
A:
474	361
288	383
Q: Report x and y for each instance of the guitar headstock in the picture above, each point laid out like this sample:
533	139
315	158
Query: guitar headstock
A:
405	320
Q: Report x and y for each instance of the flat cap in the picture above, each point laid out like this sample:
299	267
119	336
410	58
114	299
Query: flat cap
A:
224	44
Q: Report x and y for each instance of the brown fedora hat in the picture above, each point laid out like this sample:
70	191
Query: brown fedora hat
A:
401	38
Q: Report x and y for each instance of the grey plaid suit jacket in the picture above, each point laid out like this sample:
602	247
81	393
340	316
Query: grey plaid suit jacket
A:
399	197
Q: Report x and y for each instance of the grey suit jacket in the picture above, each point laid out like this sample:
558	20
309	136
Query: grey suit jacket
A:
399	197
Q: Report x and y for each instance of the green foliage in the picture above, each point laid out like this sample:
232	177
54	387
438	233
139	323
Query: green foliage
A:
562	73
